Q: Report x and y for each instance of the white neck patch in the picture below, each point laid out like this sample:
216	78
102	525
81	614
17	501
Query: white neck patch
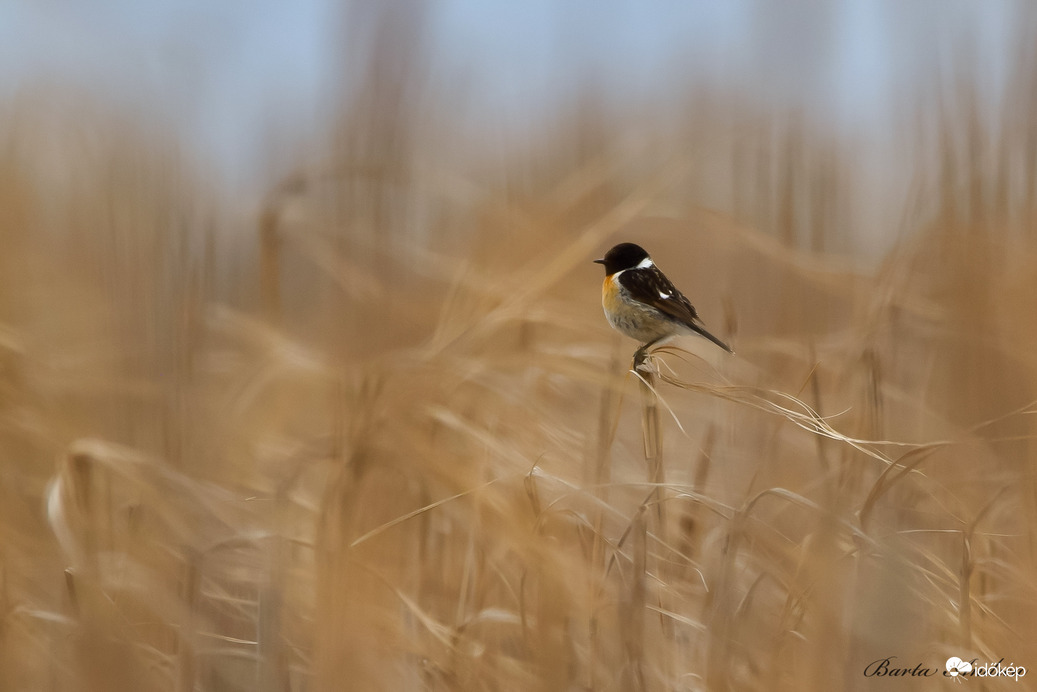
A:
645	263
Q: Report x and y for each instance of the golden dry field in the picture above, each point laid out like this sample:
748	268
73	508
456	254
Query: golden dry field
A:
372	431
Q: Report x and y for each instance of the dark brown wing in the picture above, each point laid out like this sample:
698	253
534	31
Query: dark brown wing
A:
650	286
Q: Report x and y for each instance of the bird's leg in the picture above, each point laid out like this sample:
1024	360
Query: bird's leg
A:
641	355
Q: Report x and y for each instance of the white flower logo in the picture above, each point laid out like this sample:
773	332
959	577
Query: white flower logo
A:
956	666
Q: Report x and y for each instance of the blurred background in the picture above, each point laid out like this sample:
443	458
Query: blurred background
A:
246	89
304	380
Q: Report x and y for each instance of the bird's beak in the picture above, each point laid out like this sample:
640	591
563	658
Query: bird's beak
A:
601	261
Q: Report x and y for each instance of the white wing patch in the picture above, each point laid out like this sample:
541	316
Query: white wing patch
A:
645	263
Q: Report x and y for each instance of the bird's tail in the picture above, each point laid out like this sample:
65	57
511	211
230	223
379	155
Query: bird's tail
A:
702	332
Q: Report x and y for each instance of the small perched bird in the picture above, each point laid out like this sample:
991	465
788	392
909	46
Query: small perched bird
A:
642	303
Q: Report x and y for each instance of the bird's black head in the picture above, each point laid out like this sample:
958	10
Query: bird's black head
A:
623	256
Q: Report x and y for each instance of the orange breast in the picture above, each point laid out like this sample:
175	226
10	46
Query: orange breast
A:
610	296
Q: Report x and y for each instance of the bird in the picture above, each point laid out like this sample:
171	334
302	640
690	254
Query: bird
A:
642	303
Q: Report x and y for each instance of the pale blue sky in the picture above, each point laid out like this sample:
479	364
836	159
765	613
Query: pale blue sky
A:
223	73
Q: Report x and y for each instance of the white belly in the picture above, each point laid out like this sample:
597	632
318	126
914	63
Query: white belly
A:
639	322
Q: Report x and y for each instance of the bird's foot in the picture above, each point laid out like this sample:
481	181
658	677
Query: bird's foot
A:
643	360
